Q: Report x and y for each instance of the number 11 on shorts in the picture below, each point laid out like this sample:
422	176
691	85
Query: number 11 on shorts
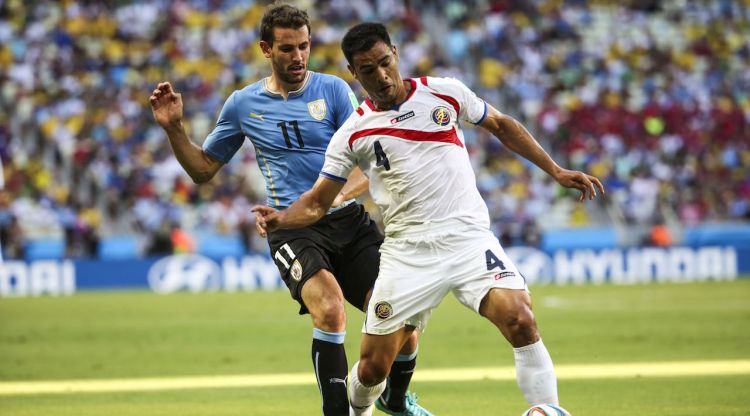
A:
280	257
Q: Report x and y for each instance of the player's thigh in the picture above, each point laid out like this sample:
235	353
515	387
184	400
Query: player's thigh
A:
482	265
358	263
298	259
357	271
408	288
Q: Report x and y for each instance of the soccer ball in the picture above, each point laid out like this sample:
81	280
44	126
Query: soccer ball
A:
546	410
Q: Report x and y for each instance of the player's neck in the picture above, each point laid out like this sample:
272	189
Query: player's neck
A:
275	85
401	95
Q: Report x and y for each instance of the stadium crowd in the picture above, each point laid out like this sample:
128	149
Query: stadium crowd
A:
654	99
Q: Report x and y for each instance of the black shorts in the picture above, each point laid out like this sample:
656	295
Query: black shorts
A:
345	242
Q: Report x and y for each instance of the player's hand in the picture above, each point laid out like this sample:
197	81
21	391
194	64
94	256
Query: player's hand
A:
587	184
166	105
266	219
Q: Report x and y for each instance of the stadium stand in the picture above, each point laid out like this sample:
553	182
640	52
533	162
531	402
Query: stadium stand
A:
650	96
579	238
121	247
44	249
718	234
217	246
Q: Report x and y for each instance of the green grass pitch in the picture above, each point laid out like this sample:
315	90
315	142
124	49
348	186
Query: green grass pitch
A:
137	334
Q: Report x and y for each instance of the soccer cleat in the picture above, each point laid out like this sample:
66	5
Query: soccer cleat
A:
410	404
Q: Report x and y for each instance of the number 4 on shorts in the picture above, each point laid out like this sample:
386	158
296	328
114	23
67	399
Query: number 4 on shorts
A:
493	261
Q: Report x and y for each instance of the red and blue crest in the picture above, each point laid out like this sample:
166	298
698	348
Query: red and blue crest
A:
441	116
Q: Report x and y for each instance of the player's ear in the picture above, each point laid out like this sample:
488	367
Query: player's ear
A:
265	48
352	71
394	49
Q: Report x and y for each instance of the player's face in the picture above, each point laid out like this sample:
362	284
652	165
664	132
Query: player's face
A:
289	54
377	71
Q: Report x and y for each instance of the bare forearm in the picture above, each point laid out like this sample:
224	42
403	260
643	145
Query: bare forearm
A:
310	207
192	158
307	210
515	137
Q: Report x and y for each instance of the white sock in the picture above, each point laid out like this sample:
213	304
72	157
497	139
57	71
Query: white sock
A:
362	397
535	374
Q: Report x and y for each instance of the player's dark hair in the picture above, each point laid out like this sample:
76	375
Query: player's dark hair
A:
362	37
282	15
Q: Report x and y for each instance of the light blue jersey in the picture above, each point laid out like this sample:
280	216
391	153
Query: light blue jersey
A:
290	136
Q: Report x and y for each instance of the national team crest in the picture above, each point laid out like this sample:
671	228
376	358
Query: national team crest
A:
296	271
383	310
317	109
441	116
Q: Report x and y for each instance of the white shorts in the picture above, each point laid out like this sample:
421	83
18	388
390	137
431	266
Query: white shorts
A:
416	272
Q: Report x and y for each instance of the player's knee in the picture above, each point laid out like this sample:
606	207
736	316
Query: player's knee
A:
372	371
519	327
329	315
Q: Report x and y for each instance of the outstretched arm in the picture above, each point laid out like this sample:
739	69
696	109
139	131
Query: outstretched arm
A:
515	137
166	105
308	209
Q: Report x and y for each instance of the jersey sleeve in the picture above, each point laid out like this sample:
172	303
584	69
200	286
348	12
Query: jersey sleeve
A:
340	159
344	102
227	137
471	108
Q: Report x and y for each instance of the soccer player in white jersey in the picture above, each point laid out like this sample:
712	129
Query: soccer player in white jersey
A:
407	140
290	118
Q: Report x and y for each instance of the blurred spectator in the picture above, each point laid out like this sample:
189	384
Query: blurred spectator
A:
161	241
11	236
660	235
181	241
652	97
531	235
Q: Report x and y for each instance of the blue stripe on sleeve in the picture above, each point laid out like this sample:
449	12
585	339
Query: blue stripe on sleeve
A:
333	177
483	115
332	337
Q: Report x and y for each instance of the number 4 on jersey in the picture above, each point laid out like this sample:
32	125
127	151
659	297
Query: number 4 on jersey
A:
493	261
380	158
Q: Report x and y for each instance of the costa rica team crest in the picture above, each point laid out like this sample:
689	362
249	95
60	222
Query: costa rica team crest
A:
441	116
317	109
383	310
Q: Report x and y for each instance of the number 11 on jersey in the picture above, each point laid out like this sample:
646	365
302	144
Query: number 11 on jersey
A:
297	133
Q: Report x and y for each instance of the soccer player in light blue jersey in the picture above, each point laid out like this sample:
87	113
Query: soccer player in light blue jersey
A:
290	117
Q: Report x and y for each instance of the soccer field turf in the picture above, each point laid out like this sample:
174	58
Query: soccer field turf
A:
136	335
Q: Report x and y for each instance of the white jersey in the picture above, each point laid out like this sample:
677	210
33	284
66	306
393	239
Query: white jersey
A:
414	156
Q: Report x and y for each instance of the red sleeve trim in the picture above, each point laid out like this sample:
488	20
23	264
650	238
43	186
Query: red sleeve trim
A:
424	80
